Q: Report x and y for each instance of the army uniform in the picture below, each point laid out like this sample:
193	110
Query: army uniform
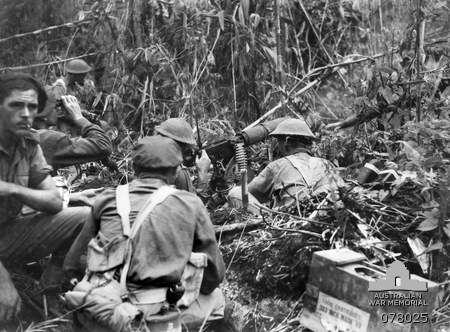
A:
60	150
174	229
291	178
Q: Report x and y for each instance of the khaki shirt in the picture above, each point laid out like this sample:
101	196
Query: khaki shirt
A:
60	150
175	228
25	166
283	182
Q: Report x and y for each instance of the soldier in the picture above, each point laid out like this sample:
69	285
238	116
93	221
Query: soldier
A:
76	83
25	180
180	131
176	227
60	149
293	177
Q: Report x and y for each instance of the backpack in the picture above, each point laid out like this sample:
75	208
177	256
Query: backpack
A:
105	298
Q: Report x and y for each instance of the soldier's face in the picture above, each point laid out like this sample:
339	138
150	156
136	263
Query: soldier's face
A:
77	78
188	155
18	110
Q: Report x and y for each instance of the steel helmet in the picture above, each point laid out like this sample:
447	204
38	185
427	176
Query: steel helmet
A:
293	127
77	66
177	129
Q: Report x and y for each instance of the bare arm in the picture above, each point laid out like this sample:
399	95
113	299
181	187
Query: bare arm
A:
46	197
9	300
262	185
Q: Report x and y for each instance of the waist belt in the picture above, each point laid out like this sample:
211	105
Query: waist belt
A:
148	296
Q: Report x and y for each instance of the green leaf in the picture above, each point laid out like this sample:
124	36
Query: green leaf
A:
221	20
241	16
447	230
245	5
437	246
428	225
409	150
388	95
431	221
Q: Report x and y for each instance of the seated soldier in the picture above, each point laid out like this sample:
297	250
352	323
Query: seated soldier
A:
180	131
59	148
25	180
77	83
174	229
295	176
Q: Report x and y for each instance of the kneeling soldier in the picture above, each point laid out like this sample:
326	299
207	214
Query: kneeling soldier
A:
155	256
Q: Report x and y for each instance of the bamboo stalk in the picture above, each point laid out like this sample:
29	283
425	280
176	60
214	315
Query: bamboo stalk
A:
278	42
51	62
54	27
319	40
234	86
420	33
271	111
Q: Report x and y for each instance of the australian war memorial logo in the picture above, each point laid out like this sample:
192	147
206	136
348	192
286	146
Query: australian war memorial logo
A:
398	278
400	299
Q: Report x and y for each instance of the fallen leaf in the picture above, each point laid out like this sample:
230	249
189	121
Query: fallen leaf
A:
437	246
431	222
418	248
409	150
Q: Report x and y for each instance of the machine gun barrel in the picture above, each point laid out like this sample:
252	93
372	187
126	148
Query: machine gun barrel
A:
224	148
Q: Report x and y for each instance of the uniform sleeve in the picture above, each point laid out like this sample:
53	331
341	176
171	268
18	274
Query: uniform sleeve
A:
183	180
39	169
205	242
261	186
93	145
105	199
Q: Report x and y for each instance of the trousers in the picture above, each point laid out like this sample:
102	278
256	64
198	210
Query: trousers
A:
37	235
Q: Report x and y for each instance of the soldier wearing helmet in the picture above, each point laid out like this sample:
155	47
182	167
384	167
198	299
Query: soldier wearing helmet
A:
296	175
76	83
181	132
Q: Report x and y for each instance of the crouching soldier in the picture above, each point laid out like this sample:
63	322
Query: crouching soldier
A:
294	177
154	259
25	180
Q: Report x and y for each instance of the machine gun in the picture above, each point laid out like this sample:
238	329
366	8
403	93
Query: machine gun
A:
229	156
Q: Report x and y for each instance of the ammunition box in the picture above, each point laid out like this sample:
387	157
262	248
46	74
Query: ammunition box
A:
338	293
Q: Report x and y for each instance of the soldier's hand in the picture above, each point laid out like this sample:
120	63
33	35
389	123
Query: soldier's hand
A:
203	163
73	108
9	300
6	189
61	84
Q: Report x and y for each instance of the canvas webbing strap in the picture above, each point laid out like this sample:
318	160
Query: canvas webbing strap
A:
123	207
156	198
299	166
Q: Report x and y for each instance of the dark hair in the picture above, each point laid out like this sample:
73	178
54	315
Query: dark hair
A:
21	82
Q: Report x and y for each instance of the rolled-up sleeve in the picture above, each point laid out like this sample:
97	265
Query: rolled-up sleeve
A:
39	169
261	186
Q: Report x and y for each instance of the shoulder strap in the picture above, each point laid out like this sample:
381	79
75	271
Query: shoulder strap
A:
123	207
156	198
296	164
